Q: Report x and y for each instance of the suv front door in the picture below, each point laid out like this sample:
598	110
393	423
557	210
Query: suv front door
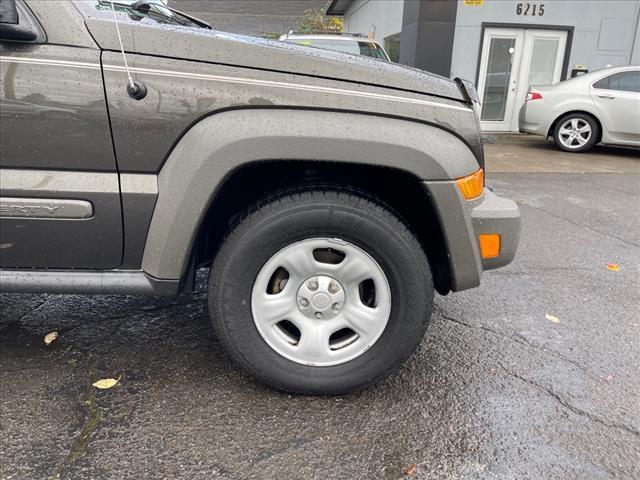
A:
59	191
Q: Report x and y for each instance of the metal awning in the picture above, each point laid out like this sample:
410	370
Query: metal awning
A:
338	7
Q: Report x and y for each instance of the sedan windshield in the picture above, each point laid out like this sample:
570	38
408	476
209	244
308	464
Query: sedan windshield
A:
356	47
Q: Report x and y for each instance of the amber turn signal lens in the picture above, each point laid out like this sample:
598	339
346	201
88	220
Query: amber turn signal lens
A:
471	186
489	245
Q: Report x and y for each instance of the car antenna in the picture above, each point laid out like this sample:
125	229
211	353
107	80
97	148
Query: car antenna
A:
136	90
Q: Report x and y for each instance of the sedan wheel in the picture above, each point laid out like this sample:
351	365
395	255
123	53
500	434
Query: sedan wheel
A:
576	133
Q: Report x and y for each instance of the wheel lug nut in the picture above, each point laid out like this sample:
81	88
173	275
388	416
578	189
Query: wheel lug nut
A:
304	302
335	307
313	284
319	315
333	288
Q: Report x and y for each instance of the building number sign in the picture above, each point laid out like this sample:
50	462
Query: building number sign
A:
530	9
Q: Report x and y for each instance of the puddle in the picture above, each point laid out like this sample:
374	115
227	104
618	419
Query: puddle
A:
17	341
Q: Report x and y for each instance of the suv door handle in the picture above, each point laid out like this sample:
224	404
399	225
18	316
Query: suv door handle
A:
608	97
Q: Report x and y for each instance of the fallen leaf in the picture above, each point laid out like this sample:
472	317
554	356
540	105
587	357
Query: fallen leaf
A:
50	337
106	383
614	267
552	318
410	469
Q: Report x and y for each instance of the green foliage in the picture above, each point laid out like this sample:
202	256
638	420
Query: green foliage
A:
271	35
317	21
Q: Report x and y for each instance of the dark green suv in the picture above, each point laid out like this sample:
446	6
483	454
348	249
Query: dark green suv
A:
329	194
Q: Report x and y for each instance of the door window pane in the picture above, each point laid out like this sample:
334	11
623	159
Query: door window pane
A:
624	81
496	82
543	61
392	46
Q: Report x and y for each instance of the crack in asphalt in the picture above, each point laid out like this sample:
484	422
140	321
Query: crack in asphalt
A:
518	339
582	225
529	270
559	398
35	309
609	187
568	405
90	423
292	443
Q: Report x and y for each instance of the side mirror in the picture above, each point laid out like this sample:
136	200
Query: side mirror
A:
17	23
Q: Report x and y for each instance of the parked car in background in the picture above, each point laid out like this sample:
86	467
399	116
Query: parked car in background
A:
597	107
355	44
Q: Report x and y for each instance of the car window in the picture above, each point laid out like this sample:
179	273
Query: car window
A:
371	49
150	13
624	81
365	48
8	13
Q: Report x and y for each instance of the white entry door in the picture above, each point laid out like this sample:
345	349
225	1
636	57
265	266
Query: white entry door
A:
512	60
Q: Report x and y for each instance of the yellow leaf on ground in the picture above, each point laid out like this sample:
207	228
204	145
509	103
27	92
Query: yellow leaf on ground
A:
614	267
552	318
106	383
50	337
410	469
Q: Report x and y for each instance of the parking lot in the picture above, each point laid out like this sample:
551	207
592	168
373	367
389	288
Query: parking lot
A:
532	375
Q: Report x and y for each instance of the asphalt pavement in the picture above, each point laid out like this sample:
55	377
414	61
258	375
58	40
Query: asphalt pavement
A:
534	375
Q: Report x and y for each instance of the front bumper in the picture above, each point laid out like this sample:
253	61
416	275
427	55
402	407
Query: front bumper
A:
496	215
462	221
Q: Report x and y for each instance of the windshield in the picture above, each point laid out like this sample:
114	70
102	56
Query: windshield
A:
152	12
366	48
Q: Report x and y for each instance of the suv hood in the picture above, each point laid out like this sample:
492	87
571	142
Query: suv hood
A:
251	52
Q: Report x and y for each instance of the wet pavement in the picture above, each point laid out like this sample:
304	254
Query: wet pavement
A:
495	391
516	153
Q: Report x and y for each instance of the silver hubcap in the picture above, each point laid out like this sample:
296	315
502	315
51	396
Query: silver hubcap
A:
321	297
321	301
574	133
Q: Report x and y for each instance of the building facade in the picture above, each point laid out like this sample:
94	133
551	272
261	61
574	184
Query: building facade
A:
502	45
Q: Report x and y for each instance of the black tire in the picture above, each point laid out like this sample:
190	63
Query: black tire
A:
328	212
581	117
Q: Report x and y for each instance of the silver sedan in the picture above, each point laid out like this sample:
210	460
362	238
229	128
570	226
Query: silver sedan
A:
597	107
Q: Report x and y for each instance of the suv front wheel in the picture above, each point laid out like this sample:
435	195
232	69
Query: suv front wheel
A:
320	291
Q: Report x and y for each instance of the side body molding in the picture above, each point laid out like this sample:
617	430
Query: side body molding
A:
214	147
